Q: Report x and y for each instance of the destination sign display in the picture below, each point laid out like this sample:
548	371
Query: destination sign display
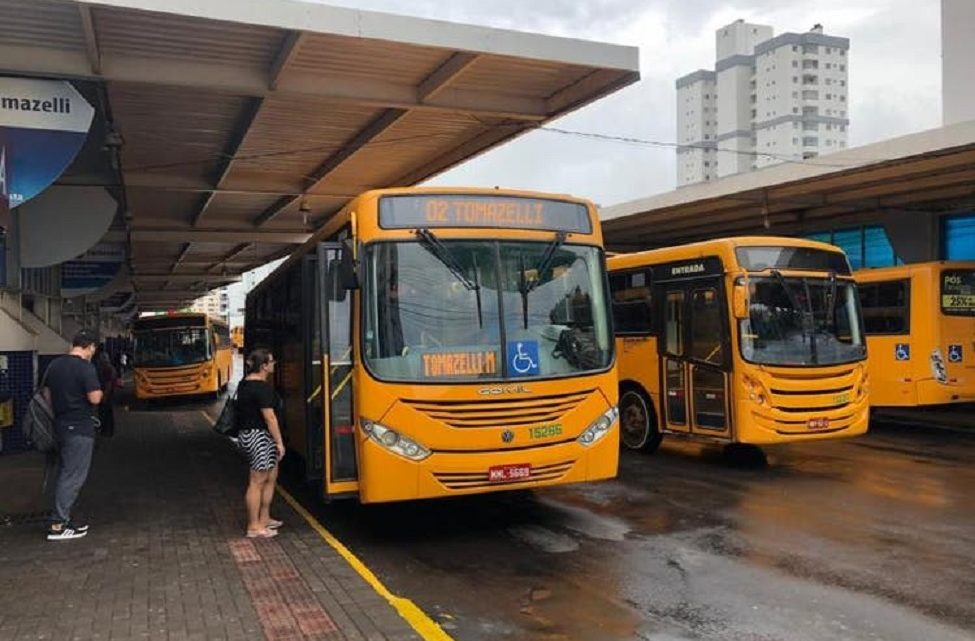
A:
497	212
460	364
958	292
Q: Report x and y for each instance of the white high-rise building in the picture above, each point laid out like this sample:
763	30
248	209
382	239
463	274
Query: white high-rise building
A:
957	61
768	100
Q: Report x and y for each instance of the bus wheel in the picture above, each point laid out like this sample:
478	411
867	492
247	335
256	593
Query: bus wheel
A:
638	423
744	455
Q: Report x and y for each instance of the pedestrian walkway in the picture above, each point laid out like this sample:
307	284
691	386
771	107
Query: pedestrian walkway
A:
165	557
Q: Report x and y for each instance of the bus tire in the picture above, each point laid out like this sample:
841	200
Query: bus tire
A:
638	421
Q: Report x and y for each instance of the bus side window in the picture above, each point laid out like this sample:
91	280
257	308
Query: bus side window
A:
632	310
886	307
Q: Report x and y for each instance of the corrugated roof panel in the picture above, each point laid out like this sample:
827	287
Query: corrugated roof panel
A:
167	36
416	140
521	77
159	207
41	23
174	131
372	59
293	136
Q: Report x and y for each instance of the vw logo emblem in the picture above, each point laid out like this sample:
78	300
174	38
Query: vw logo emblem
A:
507	436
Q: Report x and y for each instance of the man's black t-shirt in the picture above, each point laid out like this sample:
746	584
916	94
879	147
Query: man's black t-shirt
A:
70	378
252	397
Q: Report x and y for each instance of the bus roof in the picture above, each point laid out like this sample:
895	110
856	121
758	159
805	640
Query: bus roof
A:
873	274
724	247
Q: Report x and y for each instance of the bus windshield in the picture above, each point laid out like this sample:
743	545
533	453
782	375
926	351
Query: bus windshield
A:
802	321
171	347
484	310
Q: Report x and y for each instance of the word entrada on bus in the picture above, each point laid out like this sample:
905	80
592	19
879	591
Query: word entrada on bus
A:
180	354
436	342
743	340
920	325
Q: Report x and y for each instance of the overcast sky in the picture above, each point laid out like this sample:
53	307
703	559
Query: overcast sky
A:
894	68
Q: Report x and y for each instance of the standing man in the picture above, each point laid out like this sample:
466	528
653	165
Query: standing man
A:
71	385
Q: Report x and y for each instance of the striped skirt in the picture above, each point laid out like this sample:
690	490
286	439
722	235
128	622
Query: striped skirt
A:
259	448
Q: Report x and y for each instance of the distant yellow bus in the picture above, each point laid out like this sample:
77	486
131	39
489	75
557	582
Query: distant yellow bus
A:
920	325
180	354
442	342
237	337
753	340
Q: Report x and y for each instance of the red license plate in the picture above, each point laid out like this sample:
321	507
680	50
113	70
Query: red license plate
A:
819	423
516	472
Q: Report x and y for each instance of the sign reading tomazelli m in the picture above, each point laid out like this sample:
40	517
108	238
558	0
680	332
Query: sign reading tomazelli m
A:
43	124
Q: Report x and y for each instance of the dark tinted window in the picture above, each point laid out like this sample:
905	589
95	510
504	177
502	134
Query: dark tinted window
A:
632	311
886	307
758	258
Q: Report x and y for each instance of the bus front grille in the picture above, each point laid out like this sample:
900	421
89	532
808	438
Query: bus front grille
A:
500	413
804	392
479	479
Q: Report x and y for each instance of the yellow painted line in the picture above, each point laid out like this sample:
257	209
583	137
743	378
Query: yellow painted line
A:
417	618
411	613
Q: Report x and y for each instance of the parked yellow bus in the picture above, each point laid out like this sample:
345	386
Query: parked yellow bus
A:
237	337
180	354
920	325
441	342
752	340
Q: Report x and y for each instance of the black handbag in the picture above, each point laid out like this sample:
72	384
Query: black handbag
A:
226	424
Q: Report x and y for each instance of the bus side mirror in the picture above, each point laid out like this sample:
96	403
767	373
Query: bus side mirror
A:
739	301
348	267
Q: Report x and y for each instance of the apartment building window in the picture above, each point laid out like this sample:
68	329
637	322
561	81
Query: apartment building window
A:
810	94
810	79
842	53
842	67
795	48
810	141
810	64
842	83
810	111
829	127
795	141
807	155
842	98
795	110
829	96
810	48
795	64
795	125
795	79
829	143
829	65
810	126
795	94
829	81
829	50
842	127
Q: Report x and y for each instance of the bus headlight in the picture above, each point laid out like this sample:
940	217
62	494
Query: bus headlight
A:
756	392
394	441
600	427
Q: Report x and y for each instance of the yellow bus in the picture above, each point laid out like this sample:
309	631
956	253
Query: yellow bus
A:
441	342
752	340
180	354
237	337
920	325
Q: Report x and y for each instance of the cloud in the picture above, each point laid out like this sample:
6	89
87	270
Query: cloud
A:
895	73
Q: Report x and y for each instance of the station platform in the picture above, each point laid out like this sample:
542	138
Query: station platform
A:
166	558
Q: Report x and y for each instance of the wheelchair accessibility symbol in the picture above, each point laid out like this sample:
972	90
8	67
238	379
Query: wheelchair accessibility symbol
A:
902	352
523	358
955	353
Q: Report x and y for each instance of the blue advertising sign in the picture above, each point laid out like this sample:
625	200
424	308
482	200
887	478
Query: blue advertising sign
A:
43	124
523	358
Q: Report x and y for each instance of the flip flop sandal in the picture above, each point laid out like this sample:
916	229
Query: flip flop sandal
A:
262	534
274	524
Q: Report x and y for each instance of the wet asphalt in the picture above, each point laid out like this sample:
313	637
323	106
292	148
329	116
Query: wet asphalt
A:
872	538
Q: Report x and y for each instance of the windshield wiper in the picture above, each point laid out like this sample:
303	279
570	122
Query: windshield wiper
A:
804	314
546	262
813	354
831	307
524	286
441	252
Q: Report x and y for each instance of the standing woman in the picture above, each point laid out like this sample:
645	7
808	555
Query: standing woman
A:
260	439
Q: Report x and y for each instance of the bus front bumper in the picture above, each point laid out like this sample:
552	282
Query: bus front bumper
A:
769	426
384	476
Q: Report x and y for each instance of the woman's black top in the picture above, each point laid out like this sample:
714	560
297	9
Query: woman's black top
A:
252	397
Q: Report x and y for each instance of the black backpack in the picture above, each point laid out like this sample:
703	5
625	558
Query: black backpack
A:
579	349
38	422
